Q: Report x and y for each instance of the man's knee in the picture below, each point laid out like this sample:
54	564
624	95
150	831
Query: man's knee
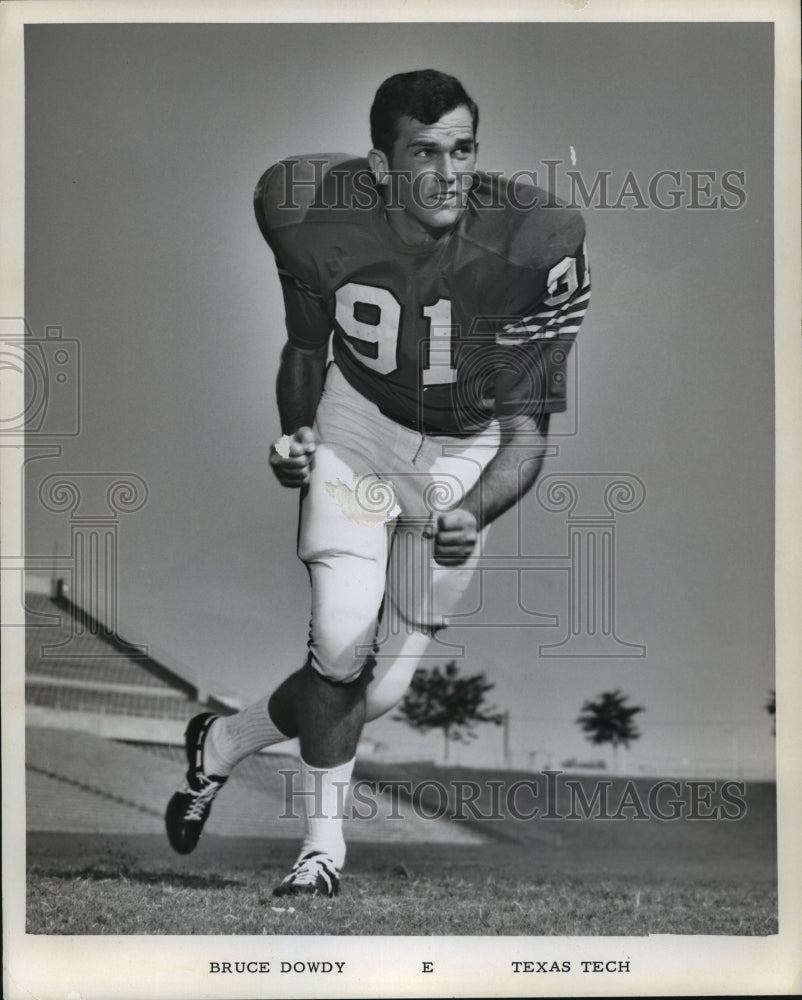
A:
347	668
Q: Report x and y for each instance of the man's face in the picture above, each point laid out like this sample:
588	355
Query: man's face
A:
431	174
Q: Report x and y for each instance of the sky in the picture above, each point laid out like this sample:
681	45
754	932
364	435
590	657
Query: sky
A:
143	145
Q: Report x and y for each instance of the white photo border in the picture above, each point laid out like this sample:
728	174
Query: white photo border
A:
167	967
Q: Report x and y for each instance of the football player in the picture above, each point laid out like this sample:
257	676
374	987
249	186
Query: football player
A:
449	299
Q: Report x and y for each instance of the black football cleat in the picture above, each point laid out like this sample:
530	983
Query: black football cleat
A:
189	808
314	874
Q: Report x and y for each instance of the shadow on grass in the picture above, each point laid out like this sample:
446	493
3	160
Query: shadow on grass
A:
176	880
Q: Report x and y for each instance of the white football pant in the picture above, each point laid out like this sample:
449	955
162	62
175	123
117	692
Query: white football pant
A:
366	536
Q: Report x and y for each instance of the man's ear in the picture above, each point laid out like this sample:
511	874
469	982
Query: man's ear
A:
379	165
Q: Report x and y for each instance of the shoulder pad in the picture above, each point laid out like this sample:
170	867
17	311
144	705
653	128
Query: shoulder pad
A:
524	223
290	188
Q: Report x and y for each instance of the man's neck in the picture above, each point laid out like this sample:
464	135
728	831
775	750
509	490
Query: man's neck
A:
412	231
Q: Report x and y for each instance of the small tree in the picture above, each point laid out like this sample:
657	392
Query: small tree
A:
441	699
609	720
771	708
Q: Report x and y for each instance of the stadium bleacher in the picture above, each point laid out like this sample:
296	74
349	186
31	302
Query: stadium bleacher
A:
104	745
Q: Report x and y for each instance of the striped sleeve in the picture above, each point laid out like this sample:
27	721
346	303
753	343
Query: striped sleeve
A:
538	343
560	312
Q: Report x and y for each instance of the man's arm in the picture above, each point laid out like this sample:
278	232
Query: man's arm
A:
299	385
298	389
510	474
512	471
552	322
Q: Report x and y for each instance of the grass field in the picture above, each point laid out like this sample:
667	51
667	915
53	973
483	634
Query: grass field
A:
537	877
130	886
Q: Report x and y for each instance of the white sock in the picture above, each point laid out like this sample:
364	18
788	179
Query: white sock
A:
233	737
323	806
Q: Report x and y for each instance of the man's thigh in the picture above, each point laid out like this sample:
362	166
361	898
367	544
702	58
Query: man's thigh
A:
344	545
421	593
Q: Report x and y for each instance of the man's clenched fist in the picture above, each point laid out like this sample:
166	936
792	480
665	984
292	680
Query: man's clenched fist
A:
291	457
455	537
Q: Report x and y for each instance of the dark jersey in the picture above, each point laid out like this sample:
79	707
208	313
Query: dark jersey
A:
428	333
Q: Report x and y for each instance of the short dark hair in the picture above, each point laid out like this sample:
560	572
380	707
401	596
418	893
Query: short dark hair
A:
424	94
